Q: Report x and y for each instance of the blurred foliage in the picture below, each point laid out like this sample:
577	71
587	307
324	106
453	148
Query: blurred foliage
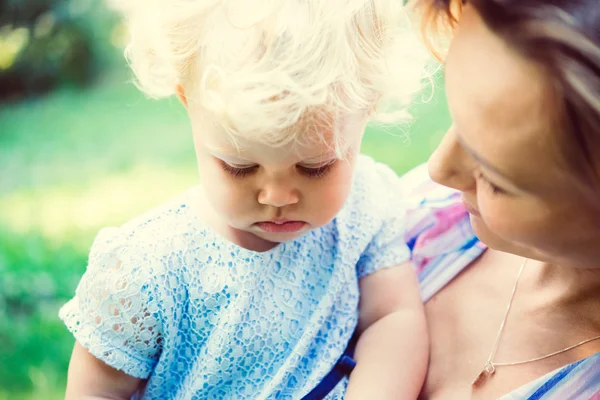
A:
64	175
83	157
47	43
35	275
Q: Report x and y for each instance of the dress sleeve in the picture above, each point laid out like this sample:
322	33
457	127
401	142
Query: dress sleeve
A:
115	313
387	247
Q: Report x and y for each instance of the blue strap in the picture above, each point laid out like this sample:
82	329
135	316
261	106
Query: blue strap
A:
550	384
342	368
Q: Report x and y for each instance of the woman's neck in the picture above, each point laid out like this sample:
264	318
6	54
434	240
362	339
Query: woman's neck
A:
549	285
563	286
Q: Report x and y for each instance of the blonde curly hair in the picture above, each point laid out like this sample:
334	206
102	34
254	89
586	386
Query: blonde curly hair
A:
258	66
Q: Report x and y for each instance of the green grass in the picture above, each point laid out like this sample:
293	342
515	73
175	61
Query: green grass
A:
75	161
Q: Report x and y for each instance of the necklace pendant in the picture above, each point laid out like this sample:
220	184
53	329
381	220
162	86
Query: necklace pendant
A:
484	375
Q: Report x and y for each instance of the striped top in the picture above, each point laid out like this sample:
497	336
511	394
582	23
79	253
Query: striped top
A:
442	244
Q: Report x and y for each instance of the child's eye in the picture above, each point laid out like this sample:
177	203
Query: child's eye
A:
494	188
238	172
316	172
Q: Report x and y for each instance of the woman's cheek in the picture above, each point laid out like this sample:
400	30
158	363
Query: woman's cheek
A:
497	215
514	220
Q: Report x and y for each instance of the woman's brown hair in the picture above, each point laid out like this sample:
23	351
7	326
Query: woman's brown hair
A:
563	37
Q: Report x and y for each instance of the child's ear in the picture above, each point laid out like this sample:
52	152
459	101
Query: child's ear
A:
181	95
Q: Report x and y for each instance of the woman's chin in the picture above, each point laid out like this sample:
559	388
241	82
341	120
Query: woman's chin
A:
486	236
493	241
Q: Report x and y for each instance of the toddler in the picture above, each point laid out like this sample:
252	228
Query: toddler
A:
287	264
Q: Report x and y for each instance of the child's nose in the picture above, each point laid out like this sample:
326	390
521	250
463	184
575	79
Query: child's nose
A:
278	195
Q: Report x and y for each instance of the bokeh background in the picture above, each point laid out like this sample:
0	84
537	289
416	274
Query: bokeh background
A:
81	148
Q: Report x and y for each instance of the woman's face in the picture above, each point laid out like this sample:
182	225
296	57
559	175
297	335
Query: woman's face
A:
503	155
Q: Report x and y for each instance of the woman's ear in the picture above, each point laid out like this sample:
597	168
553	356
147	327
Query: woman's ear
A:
181	94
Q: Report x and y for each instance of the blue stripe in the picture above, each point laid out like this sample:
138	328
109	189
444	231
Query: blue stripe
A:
549	385
340	370
470	243
461	256
411	243
437	201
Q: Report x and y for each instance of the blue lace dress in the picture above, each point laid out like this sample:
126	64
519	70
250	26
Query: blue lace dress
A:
166	299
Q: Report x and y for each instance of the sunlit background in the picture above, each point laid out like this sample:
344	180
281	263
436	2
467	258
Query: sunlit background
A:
81	148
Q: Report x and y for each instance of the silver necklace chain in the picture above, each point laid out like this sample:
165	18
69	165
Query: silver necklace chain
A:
490	366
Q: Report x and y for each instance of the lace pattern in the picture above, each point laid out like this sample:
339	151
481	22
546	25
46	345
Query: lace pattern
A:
166	299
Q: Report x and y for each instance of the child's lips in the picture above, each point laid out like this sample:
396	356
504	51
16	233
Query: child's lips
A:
281	226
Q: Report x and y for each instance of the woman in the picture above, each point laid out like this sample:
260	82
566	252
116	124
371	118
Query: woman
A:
522	320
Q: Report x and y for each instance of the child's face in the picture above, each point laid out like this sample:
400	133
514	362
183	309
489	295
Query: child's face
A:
275	194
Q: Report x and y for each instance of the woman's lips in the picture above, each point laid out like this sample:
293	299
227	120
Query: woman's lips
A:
281	226
470	208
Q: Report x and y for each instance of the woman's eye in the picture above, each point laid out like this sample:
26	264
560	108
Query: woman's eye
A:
494	188
316	172
238	172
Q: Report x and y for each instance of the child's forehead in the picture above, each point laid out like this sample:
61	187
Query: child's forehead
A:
258	152
311	139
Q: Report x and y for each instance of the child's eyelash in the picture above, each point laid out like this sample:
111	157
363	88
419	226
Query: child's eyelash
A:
495	189
238	172
317	172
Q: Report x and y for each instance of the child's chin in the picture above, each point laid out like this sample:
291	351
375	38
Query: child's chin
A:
280	237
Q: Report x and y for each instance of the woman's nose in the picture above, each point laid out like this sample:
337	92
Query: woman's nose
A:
450	165
278	194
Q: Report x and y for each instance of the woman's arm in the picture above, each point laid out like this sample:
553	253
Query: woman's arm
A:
393	349
91	379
